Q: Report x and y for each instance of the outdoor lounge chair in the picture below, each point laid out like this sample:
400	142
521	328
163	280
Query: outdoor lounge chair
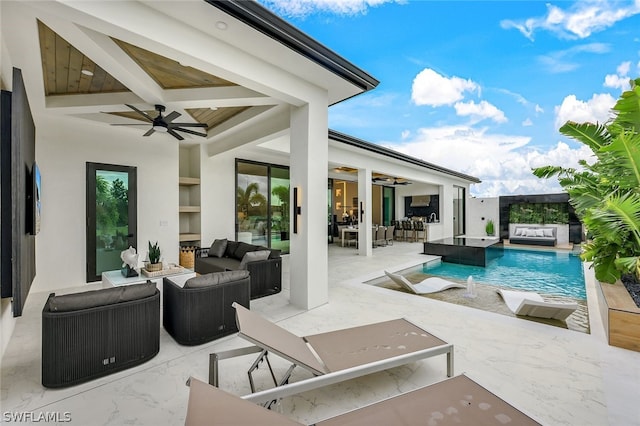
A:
529	303
458	400
334	356
426	286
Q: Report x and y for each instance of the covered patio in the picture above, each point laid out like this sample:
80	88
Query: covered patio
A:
556	376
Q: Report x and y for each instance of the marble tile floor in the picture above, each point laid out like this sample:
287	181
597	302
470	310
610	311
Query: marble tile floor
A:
557	376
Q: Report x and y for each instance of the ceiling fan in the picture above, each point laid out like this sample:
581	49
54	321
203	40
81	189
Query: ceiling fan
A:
165	123
391	181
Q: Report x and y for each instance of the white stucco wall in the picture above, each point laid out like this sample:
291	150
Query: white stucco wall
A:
479	211
63	147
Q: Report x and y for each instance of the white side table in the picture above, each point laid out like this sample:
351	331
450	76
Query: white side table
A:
116	279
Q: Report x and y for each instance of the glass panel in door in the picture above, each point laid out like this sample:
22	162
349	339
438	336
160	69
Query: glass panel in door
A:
458	210
111	216
280	216
252	195
388	205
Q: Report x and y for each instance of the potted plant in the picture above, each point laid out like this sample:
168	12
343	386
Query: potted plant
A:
489	228
154	258
606	197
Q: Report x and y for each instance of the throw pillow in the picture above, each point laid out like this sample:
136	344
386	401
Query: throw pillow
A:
539	233
218	248
253	256
530	233
242	249
274	253
548	232
231	248
215	278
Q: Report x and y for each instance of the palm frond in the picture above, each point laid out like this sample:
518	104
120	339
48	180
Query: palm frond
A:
595	136
626	209
627	144
628	107
547	172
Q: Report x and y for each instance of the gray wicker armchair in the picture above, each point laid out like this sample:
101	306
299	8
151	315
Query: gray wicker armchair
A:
201	311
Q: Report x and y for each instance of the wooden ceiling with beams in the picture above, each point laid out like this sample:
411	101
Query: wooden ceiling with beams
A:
67	71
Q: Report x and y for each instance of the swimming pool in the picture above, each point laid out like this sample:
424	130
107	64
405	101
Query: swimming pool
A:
548	272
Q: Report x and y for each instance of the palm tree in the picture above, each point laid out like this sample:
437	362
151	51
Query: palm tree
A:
283	193
606	194
250	199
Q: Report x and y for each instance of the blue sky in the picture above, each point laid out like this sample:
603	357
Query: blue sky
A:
480	87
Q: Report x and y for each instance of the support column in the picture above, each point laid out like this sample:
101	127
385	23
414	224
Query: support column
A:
365	222
309	281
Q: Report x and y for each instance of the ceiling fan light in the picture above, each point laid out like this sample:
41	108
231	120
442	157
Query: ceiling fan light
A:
159	128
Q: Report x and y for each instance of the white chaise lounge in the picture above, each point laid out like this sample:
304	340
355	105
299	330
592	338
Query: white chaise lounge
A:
529	303
426	286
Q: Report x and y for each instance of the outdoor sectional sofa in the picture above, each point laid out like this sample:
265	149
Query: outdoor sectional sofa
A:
95	333
264	264
534	235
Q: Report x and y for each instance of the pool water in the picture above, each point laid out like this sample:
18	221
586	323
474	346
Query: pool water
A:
546	272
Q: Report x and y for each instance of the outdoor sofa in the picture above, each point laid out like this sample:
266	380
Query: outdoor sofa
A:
95	333
534	235
264	264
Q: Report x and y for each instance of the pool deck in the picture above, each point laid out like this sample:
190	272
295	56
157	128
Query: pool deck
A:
556	376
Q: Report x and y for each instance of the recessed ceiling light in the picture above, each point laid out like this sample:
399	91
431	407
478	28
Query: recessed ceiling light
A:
221	25
87	72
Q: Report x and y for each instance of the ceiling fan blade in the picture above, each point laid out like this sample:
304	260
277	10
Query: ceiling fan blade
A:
189	131
130	124
150	132
172	116
174	125
144	114
174	134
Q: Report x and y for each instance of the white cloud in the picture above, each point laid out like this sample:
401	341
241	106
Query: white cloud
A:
302	8
596	109
620	80
562	60
502	162
623	68
527	123
616	82
405	134
539	109
579	21
479	111
431	88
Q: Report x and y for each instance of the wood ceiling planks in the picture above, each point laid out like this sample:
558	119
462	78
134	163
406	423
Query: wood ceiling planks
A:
62	66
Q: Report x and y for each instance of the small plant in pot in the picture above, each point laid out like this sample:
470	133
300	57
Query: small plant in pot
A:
489	228
154	258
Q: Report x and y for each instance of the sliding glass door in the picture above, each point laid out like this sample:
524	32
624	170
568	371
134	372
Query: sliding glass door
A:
458	210
111	216
263	204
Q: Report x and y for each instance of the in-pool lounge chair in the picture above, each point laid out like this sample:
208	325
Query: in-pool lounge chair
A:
455	401
531	304
331	357
426	286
